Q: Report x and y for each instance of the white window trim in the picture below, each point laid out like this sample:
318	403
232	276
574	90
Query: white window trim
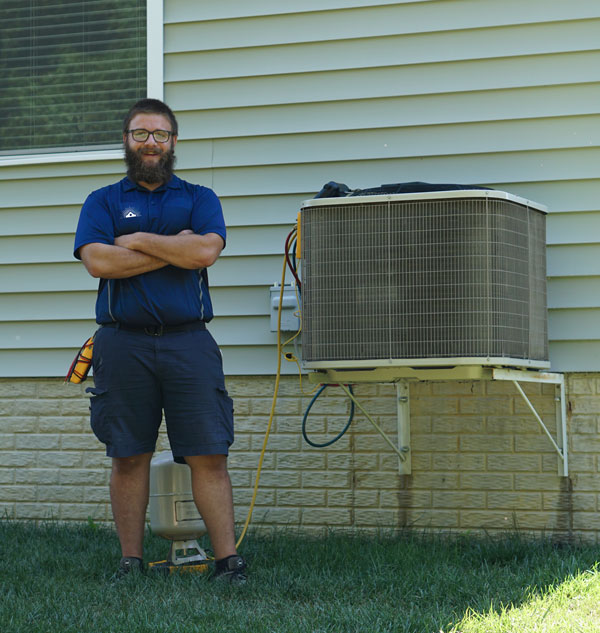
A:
155	46
154	90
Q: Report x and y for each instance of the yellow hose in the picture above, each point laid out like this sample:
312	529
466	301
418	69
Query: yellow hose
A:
271	415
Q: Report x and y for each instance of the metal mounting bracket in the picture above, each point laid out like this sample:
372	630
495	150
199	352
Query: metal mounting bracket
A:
401	376
403	403
558	380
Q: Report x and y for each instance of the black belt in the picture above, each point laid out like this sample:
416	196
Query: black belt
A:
158	330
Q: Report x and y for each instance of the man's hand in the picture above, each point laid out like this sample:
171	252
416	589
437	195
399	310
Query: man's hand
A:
132	240
126	241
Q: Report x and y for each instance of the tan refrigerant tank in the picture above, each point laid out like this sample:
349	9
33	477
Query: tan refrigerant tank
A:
173	513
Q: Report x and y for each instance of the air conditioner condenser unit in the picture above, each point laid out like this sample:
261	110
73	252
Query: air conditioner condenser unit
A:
431	279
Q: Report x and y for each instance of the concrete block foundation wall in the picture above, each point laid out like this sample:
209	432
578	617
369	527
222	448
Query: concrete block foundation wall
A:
480	460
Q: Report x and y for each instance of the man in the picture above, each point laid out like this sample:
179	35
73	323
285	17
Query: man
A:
149	238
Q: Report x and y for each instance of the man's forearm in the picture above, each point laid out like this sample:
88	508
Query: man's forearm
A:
117	262
185	250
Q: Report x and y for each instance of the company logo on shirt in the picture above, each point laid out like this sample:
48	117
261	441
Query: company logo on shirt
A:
130	212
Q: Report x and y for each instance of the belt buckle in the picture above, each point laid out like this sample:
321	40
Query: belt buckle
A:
154	330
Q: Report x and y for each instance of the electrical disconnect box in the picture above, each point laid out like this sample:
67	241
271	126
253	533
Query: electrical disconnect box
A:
290	310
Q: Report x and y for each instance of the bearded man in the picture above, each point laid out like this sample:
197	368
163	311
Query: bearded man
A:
149	239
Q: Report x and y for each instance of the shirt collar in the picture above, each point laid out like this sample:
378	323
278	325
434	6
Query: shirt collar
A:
128	185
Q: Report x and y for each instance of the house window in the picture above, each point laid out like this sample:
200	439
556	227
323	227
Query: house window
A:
70	69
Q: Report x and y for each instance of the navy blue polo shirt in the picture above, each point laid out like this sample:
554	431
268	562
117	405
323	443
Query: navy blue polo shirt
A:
169	295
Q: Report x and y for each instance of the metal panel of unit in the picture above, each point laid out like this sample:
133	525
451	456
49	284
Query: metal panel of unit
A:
438	279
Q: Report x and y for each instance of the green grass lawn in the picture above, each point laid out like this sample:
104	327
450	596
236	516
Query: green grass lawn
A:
55	578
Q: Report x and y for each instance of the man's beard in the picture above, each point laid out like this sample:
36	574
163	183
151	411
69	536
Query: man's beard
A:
151	173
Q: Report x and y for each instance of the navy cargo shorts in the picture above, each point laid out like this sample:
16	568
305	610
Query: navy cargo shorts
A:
137	376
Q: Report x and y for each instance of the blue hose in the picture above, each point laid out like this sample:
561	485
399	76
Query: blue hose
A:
339	435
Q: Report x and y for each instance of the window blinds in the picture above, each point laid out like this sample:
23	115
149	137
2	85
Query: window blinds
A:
69	71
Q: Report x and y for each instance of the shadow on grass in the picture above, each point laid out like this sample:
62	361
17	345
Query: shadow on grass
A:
56	577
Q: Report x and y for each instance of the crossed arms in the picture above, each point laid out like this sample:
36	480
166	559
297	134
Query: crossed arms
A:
140	252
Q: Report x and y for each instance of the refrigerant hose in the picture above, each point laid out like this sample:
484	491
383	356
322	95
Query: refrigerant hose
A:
273	402
341	433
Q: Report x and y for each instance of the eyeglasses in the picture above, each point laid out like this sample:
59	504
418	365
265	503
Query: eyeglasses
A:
141	136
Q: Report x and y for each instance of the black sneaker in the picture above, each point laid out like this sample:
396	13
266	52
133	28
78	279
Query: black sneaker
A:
128	565
231	569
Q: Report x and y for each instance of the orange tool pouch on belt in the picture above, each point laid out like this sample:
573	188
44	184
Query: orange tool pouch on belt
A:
82	363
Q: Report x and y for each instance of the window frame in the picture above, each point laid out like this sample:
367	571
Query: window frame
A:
154	89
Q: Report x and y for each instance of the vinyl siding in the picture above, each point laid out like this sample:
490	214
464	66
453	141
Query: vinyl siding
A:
273	102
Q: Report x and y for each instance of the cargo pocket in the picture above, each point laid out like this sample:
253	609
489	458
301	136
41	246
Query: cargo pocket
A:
98	414
226	408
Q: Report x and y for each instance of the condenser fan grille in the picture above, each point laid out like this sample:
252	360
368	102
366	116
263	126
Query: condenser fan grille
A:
423	279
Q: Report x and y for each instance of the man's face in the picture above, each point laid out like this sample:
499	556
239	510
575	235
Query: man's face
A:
149	161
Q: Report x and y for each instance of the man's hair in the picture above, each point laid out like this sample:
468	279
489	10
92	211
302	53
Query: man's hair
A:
150	106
